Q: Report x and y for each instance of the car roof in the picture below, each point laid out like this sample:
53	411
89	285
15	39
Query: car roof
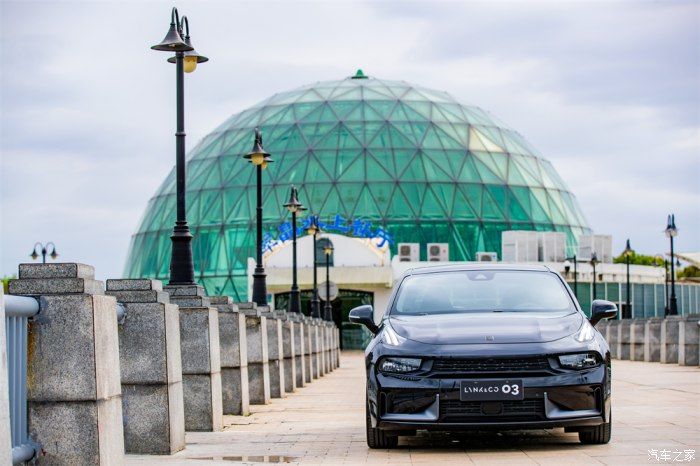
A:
469	266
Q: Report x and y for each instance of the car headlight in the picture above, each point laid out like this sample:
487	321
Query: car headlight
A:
586	333
399	365
390	337
579	360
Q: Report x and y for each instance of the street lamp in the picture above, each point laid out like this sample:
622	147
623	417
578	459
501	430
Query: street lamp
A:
567	267
260	159
294	206
593	262
314	230
628	252
43	248
185	59
671	232
328	309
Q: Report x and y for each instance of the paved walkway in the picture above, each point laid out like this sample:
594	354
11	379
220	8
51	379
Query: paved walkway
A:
656	406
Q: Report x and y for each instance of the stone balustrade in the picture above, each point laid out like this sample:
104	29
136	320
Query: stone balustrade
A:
179	360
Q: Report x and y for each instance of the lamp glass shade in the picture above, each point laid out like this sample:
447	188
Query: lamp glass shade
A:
257	159
328	250
190	63
34	255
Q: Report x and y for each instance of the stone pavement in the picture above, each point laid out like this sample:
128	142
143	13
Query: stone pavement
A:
655	406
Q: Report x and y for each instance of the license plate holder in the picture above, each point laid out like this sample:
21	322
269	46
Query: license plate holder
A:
491	390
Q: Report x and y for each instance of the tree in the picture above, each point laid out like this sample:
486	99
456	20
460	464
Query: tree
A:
6	282
690	271
639	259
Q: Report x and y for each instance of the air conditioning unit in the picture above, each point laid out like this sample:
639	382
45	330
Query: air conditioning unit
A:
600	244
438	252
409	252
486	257
552	246
519	246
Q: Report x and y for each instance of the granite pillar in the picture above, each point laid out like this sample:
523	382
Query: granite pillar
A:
299	349
74	390
652	339
636	335
321	347
234	356
257	349
669	339
201	358
612	339
308	353
274	352
623	339
151	368
288	337
688	336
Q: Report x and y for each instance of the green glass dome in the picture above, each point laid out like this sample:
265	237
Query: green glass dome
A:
410	160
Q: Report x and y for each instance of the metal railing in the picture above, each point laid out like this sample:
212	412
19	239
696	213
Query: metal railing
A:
18	311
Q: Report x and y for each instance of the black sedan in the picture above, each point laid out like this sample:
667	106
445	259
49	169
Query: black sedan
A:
475	347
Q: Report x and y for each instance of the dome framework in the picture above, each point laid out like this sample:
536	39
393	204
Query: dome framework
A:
412	161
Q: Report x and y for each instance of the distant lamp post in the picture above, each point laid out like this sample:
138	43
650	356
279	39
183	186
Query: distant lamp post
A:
43	250
185	59
294	207
594	261
671	232
567	267
314	230
328	309
260	159
628	253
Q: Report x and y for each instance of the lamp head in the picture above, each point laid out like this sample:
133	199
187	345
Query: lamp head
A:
328	249
191	58
671	229
258	155
313	228
173	41
293	205
628	252
594	258
34	255
567	266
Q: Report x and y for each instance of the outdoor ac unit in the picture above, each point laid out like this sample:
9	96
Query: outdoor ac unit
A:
438	252
519	246
409	252
486	257
600	244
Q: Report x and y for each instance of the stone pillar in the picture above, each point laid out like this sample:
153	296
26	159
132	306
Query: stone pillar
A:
637	339
288	337
688	340
258	362
337	347
299	349
613	338
669	339
327	345
151	368
234	356
320	325
652	339
623	339
201	360
5	433
74	390
274	352
308	352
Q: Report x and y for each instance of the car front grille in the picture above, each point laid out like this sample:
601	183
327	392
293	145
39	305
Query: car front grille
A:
490	411
445	366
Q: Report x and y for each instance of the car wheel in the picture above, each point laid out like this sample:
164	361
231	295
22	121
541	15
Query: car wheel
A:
598	435
377	438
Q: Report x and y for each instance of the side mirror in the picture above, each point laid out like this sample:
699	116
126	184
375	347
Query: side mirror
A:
602	309
364	315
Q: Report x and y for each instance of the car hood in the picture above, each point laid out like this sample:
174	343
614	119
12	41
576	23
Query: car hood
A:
487	327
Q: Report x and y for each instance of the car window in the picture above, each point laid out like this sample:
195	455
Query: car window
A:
481	291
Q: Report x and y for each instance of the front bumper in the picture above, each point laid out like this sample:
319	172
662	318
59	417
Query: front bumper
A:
571	399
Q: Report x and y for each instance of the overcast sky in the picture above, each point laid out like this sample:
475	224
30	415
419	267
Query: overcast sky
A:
609	92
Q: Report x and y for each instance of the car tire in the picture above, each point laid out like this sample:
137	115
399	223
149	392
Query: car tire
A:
598	435
377	438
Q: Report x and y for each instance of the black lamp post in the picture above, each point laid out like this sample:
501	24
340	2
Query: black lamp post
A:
185	59
43	250
628	252
314	230
260	159
328	309
671	232
567	267
593	262
294	206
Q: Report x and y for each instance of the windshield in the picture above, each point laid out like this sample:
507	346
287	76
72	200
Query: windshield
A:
481	291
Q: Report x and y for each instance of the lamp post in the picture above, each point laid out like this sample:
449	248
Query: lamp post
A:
328	309
593	262
260	159
185	59
574	259
314	230
43	250
671	232
294	206
628	252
